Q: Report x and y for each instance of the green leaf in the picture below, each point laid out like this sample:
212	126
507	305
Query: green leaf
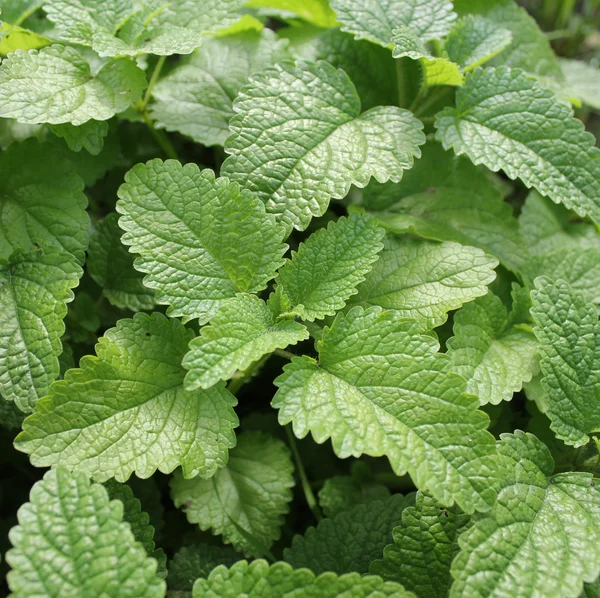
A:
196	97
591	590
55	85
89	136
547	227
425	280
139	522
530	49
583	80
71	541
506	121
375	20
494	356
35	288
241	332
198	560
111	266
424	546
13	37
115	27
41	201
540	538
252	493
475	40
11	417
371	67
296	172
434	202
14	11
138	418
415	413
350	541
316	12
569	334
342	492
201	240
329	265
257	580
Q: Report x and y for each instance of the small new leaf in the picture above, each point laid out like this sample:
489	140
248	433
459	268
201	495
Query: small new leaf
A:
245	500
495	357
71	541
242	331
126	411
296	171
327	268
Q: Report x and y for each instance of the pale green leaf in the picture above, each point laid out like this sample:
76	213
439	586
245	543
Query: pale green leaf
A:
196	97
371	67
198	560
475	40
295	172
434	202
126	410
257	580
492	355
251	492
350	541
506	121
139	522
41	201
530	49
425	280
71	541
55	85
541	537
547	227
569	334
201	240
424	546
582	80
375	20
241	332
329	265
435	70
35	288
116	27
111	266
89	136
381	388
316	12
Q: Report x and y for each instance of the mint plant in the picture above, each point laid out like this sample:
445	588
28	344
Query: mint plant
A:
299	298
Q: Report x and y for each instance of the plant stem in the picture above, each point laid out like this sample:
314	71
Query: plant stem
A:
284	354
244	377
431	99
401	83
564	13
160	137
153	80
311	501
28	13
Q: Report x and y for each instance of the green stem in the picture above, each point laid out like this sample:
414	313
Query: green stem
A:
24	16
420	96
153	80
160	137
431	100
401	83
284	354
235	384
564	13
309	495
